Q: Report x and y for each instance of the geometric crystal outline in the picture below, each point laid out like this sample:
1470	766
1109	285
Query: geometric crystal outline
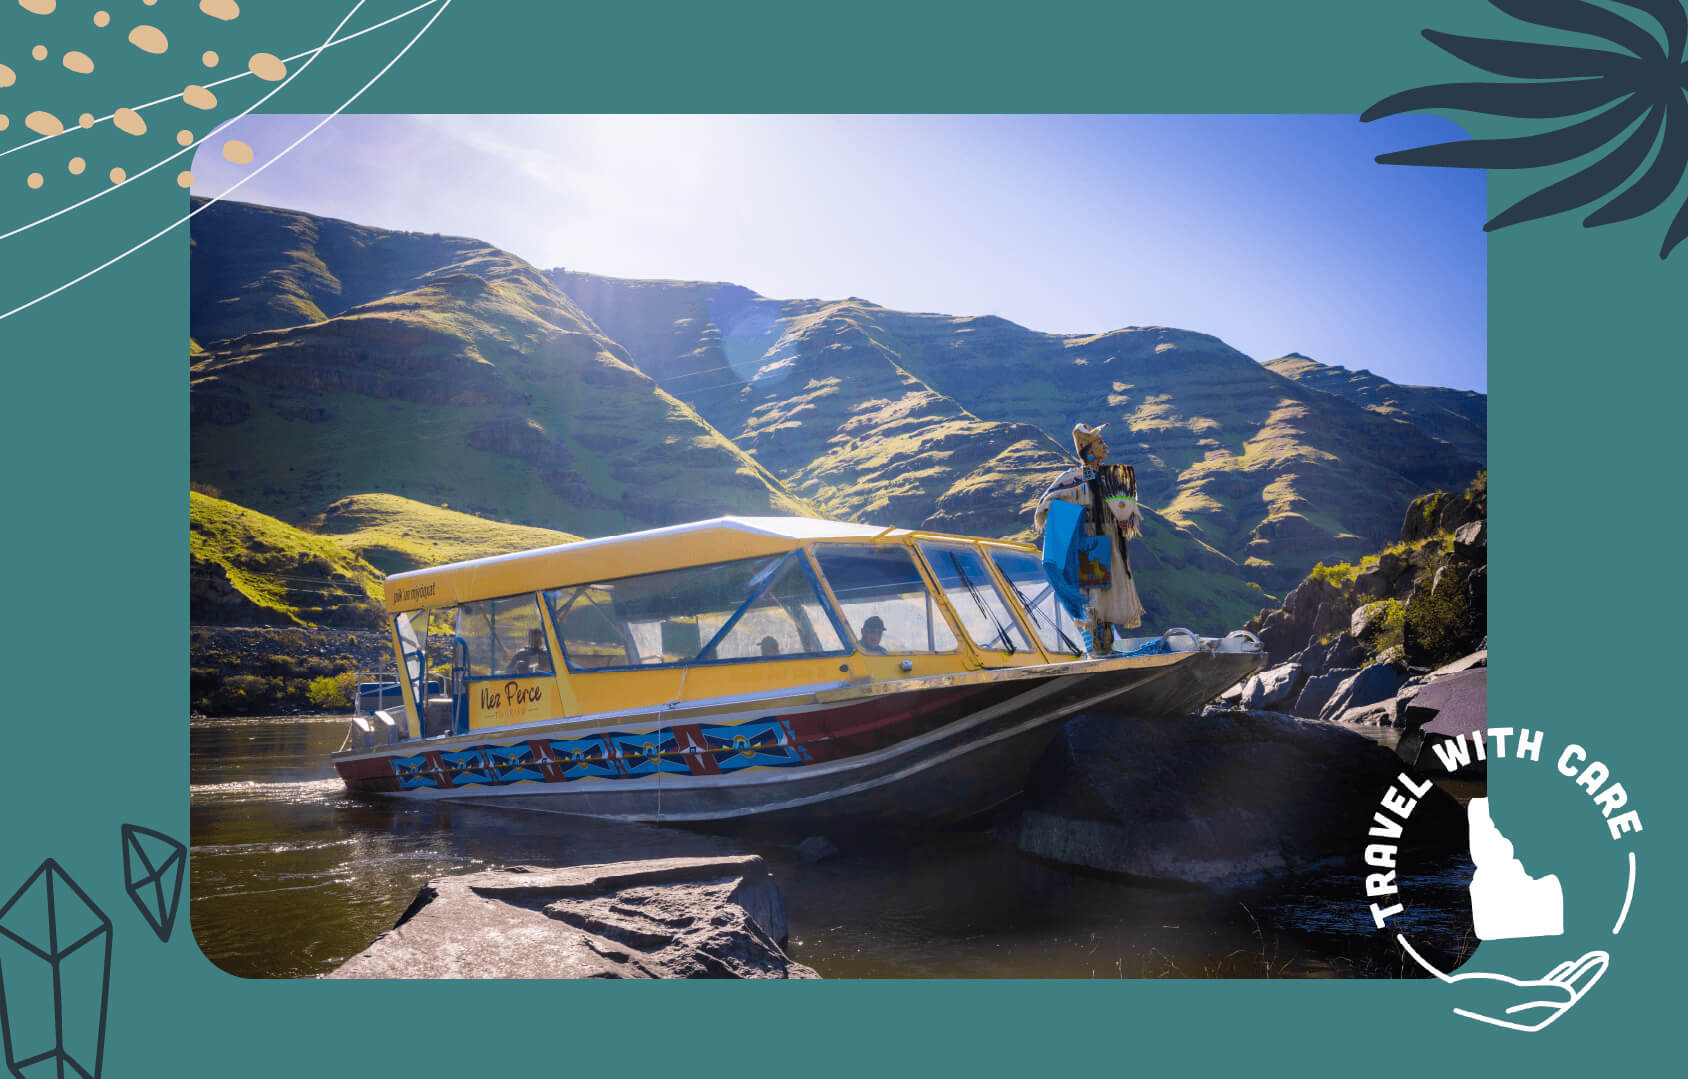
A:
53	877
148	882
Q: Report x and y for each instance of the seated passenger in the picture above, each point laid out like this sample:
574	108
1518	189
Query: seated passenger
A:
533	659
873	631
770	647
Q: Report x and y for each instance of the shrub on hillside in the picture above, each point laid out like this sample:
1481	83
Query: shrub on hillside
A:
1337	576
332	692
1441	626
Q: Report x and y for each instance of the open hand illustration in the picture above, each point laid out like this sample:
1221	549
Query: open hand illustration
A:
1521	1005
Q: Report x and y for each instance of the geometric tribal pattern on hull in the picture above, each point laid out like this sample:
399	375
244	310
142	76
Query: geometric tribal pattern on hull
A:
696	749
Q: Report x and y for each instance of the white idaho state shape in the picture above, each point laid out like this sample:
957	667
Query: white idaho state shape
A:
1506	902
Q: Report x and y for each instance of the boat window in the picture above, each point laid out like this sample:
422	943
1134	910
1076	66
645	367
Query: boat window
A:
972	593
725	612
587	629
787	619
883	583
1030	585
504	637
412	627
426	641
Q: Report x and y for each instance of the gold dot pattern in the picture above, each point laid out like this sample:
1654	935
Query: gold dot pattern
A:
7	76
86	119
220	9
149	39
118	175
43	123
102	19
38	7
184	137
237	152
267	66
78	62
199	97
36	180
184	179
77	164
39	52
5	121
210	58
129	121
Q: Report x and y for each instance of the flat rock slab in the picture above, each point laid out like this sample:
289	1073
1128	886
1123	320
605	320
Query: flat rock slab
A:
664	918
1215	799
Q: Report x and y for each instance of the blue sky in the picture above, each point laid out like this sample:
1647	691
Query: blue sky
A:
1275	233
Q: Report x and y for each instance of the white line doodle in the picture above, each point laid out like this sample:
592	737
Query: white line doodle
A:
231	78
212	202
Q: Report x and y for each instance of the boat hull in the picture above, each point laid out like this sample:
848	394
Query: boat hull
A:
933	750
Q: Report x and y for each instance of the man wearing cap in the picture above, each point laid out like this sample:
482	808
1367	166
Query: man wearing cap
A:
872	631
1108	497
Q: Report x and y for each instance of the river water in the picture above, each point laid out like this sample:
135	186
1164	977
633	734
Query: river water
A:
290	876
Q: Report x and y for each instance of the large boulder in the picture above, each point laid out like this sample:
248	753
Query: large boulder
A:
1214	799
1269	688
1422	516
1471	540
1368	619
1368	685
1317	690
1341	651
664	918
1371	584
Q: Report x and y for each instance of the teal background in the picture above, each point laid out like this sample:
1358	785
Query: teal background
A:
1586	385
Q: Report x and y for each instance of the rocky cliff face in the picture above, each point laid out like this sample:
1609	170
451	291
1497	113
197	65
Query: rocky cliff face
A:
1422	601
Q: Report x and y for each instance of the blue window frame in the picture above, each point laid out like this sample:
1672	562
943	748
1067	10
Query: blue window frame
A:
748	610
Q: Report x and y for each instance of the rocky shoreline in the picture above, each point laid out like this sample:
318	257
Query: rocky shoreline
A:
261	670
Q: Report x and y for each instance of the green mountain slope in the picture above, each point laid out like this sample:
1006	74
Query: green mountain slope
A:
1458	417
939	418
476	385
356	379
245	568
395	534
257	268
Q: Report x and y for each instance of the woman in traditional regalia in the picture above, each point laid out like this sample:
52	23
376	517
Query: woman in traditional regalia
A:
1108	496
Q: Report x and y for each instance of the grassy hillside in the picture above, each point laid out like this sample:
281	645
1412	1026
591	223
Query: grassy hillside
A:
257	268
959	422
246	568
476	385
395	534
404	393
1457	417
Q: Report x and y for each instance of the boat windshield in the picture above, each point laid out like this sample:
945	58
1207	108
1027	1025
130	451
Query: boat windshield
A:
1030	585
973	595
750	609
429	642
884	598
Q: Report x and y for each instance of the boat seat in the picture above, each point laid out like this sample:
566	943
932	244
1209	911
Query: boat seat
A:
437	716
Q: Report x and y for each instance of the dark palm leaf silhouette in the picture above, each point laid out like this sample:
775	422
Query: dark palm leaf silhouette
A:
1642	90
